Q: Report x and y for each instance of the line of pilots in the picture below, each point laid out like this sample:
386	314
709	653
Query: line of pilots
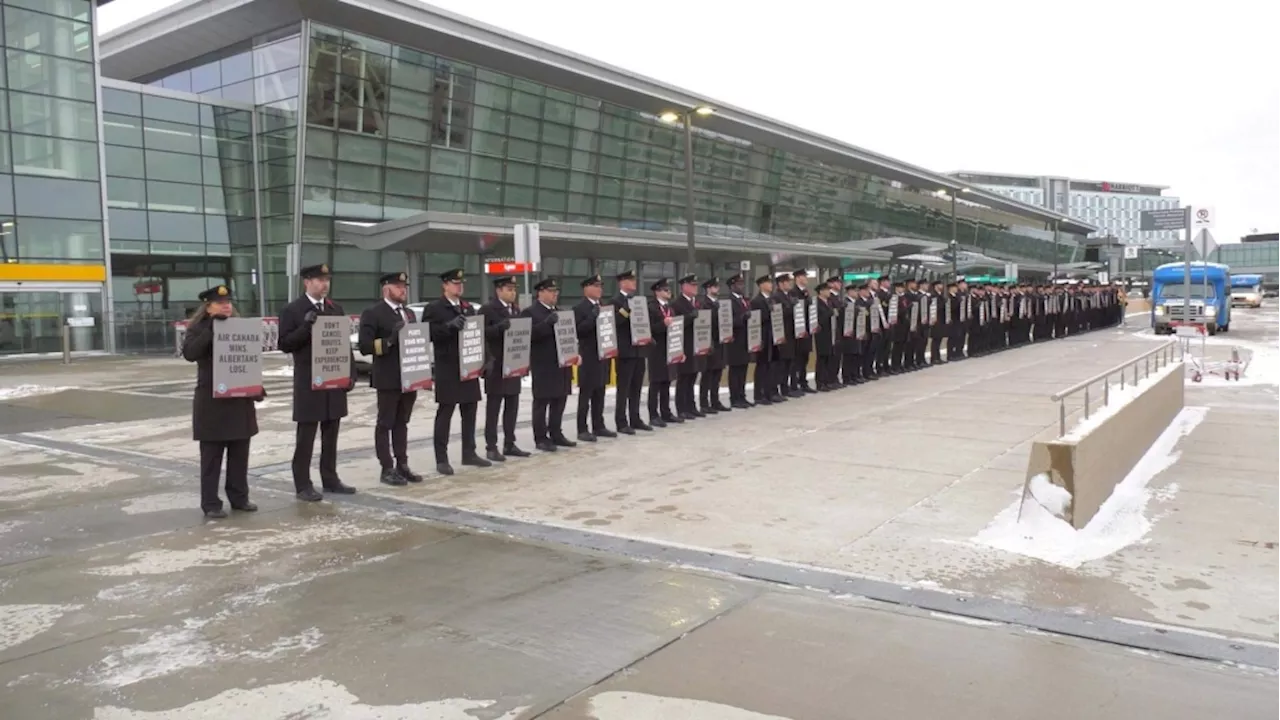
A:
858	333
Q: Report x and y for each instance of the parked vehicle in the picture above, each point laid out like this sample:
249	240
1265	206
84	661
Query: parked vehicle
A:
1209	302
1246	290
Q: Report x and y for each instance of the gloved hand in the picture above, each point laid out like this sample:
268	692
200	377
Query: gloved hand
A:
506	323
553	318
458	323
310	317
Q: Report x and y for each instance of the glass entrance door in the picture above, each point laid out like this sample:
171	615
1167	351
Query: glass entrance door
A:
31	320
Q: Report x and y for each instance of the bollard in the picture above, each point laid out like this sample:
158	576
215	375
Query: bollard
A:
1086	402
66	344
1062	417
1135	374
1106	389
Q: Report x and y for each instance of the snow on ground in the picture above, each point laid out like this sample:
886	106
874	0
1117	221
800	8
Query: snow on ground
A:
1118	399
315	699
1120	522
616	705
20	623
21	391
278	371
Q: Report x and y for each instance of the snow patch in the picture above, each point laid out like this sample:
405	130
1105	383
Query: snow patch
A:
241	548
160	503
21	391
964	620
1053	498
315	699
278	371
1120	521
617	705
20	623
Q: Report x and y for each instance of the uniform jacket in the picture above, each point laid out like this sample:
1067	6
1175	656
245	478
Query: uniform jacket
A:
295	338
622	324
214	420
593	372
659	371
449	386
687	308
495	313
550	381
379	323
824	338
716	358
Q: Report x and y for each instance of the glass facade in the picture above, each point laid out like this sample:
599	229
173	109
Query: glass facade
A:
342	126
51	224
1262	258
180	206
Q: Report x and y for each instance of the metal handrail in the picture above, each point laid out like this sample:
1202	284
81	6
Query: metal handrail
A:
1162	353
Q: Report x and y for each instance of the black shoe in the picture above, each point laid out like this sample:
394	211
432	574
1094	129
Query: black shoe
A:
391	477
475	460
740	404
409	475
585	436
688	415
807	388
339	488
605	433
775	399
795	394
310	495
673	420
624	430
721	407
444	468
545	446
656	423
218	514
764	401
642	427
494	455
513	451
708	410
563	442
697	413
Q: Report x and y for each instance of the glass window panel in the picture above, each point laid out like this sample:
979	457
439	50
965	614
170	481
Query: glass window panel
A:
409	102
236	68
552	200
215	200
489	120
522	150
608	208
396	207
557	111
410	157
41	238
178	81
206	78
357	148
217	233
358	205
47	34
523	127
553	134
526	103
408	128
238	92
175	137
74	9
522	173
321	143
163	108
519	196
557	156
447	188
277	86
409	75
321	173
277	56
43	115
363	178
489	143
610	166
174	197
37	155
609	187
448	162
406	182
486	192
121	129
484	168
553	178
176	227
124	161
492	96
212	171
126	193
172	167
52	197
127	224
47	75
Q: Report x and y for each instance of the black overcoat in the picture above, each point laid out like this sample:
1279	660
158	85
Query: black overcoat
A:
295	338
214	420
449	387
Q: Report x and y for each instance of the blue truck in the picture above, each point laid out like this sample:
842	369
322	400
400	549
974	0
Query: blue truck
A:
1210	297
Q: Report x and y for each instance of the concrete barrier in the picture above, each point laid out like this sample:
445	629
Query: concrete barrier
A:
1090	463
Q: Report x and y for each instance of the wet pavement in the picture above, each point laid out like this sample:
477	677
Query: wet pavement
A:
710	574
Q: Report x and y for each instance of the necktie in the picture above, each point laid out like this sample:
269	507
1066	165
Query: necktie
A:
666	311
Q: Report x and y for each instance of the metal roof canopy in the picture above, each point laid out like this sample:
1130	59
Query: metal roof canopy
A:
445	232
186	32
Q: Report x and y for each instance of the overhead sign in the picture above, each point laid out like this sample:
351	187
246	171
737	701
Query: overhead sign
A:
528	243
1202	218
1131	252
1166	219
500	267
855	277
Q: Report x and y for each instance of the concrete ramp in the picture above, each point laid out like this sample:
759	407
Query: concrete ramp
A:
1096	456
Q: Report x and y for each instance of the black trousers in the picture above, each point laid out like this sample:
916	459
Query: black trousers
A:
782	376
709	388
590	405
896	353
762	390
822	370
935	349
868	358
659	399
304	446
851	367
685	400
800	370
955	344
883	352
211	454
922	345
737	383
444	424
626	409
509	407
548	417
391	433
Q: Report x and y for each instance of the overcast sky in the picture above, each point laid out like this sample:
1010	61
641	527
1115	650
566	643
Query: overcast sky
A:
1136	91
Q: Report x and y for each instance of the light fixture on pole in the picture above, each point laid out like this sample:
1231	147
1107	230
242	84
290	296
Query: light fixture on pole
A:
671	117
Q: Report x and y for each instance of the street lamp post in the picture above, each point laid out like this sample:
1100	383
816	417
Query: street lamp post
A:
687	118
955	242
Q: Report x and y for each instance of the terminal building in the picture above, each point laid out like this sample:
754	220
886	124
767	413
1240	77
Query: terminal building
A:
239	140
1114	208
